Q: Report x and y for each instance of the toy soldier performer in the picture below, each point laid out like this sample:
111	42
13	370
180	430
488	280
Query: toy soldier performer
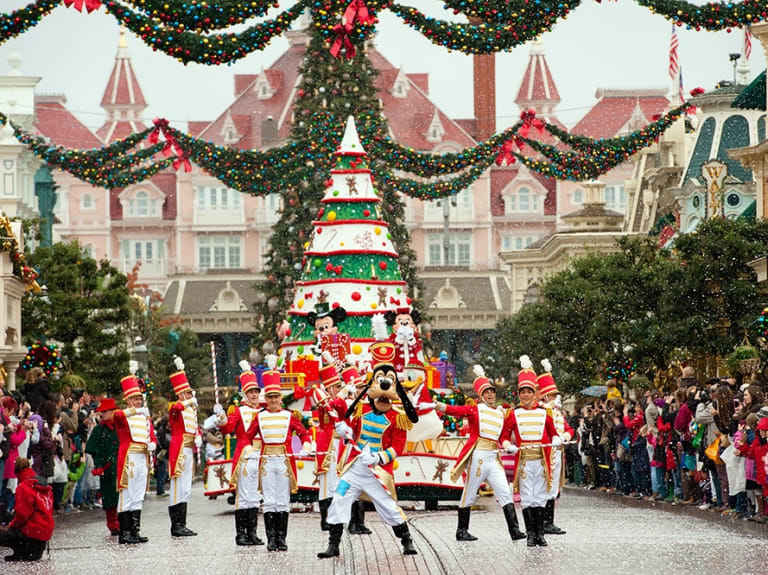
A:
535	435
480	456
330	410
245	461
278	467
551	397
185	435
377	437
137	440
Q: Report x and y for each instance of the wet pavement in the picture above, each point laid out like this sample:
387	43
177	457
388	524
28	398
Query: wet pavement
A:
605	535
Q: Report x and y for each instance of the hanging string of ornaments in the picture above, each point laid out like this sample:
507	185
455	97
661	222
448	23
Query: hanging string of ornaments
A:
189	30
275	170
46	357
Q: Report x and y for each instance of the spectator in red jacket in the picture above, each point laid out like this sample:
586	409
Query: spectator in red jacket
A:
32	525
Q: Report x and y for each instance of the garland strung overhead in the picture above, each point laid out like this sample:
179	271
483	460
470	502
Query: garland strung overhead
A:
273	171
179	27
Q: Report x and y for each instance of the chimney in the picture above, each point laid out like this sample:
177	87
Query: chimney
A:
268	131
484	76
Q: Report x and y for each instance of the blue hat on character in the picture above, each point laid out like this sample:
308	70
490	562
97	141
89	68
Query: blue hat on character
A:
444	355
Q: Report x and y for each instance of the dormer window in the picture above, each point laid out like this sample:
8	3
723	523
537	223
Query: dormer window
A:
400	87
141	204
436	131
263	88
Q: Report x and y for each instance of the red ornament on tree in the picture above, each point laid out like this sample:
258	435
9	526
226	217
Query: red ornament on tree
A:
382	265
356	296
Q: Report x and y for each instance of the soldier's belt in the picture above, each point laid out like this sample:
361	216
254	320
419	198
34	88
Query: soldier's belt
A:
486	445
531	455
189	441
274	449
138	448
256	443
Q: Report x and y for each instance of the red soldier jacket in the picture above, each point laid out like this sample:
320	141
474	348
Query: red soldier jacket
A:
241	422
276	428
135	432
405	353
182	421
328	414
531	427
486	426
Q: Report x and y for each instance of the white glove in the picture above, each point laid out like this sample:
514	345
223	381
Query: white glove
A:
190	401
210	423
344	431
303	453
557	441
198	441
510	447
426	405
151	446
369	458
218	409
143	411
440	406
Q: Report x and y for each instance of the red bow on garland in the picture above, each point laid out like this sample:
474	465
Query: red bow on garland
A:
90	5
505	153
394	301
356	11
529	119
342	40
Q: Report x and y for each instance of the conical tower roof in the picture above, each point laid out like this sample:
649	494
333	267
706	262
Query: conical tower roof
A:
538	89
123	99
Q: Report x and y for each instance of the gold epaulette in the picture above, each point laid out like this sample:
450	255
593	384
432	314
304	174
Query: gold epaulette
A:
171	404
470	401
231	409
297	415
359	409
403	422
549	412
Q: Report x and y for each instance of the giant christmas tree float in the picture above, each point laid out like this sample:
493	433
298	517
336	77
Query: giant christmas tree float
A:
349	263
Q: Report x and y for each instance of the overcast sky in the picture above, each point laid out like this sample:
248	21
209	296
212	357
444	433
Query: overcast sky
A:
613	44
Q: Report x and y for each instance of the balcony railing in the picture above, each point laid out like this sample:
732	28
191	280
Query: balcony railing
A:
219	216
155	268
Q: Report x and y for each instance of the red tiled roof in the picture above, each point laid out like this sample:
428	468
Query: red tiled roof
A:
612	112
165	182
123	88
112	131
196	127
242	81
55	122
421	80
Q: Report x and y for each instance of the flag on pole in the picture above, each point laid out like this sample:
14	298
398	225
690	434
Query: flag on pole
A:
674	66
747	51
681	92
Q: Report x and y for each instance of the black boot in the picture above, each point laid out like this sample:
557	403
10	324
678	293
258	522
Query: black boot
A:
136	526
539	516
126	532
324	505
270	527
530	525
253	523
512	525
549	519
282	530
242	536
357	520
178	515
401	531
334	538
462	531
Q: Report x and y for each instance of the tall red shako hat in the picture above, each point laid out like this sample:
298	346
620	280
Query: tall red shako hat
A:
179	380
545	381
247	378
271	377
481	382
526	377
129	383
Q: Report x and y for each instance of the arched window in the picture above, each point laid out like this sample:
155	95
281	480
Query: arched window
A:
522	201
142	203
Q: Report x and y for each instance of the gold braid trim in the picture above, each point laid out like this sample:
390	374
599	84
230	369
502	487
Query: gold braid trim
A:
359	409
297	415
403	422
470	401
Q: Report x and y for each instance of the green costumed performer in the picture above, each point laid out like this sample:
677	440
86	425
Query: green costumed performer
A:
103	446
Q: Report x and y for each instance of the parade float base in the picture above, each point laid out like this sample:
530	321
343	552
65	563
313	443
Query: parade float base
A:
419	476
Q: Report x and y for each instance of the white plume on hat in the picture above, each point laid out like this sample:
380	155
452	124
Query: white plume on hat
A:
245	365
479	371
271	360
525	362
178	362
133	366
546	365
379	327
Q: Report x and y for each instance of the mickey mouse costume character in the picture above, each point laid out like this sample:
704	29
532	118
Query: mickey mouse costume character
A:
325	322
405	338
185	435
377	435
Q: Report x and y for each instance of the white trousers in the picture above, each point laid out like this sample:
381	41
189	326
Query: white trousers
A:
181	485
276	483
327	482
248	494
360	479
485	466
132	497
533	483
557	469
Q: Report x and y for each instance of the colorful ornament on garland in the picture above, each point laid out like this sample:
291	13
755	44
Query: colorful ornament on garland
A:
46	357
622	371
762	323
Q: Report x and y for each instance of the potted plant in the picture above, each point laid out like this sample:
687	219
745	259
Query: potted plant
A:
745	359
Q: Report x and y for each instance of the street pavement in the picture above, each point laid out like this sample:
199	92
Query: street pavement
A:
605	535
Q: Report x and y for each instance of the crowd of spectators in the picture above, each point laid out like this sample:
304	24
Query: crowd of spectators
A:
704	445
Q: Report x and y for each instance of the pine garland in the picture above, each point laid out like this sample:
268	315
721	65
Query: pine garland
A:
21	20
201	15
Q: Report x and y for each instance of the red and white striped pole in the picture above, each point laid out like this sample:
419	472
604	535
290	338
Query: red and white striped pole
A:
213	367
